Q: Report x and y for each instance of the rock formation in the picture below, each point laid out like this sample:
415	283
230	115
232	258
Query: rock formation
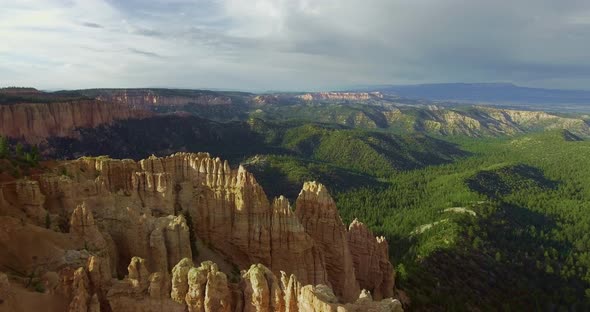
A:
7	296
35	122
133	220
370	255
262	290
349	96
147	97
82	225
318	213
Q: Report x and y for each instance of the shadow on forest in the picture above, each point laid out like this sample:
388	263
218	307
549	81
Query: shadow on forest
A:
506	180
161	136
512	267
275	179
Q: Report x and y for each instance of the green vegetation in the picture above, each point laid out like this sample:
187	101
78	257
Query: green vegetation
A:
340	157
375	153
18	159
4	147
284	175
528	242
15	95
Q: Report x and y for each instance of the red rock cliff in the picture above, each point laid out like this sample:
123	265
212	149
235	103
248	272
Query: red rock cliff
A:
147	98
35	122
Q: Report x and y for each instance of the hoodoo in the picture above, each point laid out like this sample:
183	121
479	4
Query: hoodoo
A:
121	235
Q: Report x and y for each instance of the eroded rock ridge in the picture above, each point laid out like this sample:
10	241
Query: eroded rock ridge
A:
117	235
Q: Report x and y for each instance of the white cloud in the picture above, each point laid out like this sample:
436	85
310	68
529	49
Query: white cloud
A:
291	44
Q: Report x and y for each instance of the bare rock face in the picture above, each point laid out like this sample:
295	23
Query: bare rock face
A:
141	291
82	225
81	292
291	289
100	280
262	290
203	288
318	213
23	199
339	96
39	121
208	289
138	274
146	98
232	213
7	295
180	280
370	255
133	220
140	206
169	242
320	298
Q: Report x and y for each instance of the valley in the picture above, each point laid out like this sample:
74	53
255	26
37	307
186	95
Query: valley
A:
473	207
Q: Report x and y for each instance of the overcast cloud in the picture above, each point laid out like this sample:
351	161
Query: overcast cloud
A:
292	44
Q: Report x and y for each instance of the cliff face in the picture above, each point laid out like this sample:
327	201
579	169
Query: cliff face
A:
370	256
98	218
36	122
494	121
318	214
148	98
340	96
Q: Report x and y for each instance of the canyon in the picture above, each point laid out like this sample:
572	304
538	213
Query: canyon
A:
35	122
35	117
177	233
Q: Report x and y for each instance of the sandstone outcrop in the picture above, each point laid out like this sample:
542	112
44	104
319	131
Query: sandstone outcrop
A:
147	98
142	291
262	290
349	96
318	213
81	297
206	289
82	225
142	221
38	121
7	295
370	255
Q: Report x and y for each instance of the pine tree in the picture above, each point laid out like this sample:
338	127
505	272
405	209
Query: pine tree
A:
4	150
19	150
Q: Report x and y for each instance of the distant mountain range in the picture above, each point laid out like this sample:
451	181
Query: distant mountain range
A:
496	93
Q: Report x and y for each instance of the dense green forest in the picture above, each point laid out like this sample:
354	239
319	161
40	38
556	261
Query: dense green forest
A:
507	227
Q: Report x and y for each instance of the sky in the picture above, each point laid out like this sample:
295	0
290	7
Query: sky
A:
292	45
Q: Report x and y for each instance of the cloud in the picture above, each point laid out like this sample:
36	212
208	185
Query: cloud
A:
145	53
294	44
148	32
92	25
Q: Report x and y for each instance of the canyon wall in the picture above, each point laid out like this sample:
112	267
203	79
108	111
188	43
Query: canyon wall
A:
339	96
35	122
94	219
148	98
